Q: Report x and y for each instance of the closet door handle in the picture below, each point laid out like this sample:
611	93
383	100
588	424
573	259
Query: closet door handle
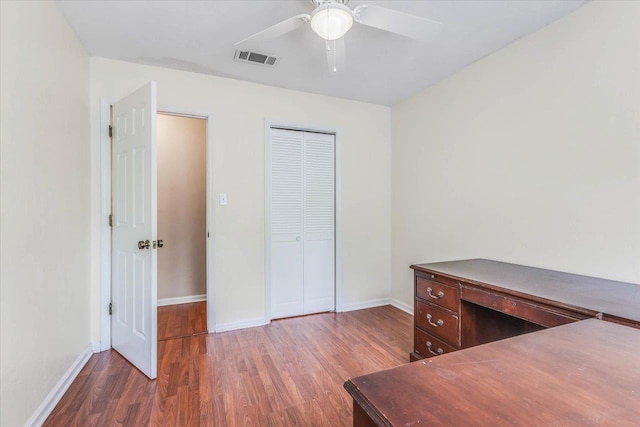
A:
298	238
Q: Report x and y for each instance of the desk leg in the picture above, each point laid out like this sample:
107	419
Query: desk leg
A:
360	417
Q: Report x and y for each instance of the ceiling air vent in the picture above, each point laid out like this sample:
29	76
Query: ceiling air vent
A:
255	57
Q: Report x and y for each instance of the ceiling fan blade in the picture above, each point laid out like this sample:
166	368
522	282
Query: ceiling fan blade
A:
336	54
393	21
277	30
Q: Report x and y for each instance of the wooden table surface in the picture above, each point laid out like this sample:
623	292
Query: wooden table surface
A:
581	374
614	299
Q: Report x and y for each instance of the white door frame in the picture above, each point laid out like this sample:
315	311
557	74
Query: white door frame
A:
105	210
267	206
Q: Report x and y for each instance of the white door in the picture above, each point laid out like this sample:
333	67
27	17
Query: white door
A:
134	204
319	219
301	211
286	223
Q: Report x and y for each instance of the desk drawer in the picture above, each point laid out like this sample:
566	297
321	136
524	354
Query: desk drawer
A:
428	345
438	322
438	293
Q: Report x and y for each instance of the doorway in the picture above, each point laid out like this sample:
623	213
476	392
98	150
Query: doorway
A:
182	225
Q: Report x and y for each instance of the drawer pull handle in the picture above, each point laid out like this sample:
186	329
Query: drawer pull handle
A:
436	296
438	352
439	323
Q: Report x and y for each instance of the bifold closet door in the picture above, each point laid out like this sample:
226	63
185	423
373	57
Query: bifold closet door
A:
286	223
301	196
318	225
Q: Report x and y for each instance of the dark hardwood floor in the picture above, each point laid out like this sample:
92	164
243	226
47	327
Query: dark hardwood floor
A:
182	320
287	373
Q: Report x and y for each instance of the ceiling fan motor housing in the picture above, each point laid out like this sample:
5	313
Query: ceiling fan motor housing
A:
331	20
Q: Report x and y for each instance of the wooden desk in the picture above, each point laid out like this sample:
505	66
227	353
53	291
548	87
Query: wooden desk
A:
581	374
464	304
461	304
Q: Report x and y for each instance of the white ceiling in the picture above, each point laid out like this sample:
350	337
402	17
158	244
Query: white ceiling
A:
381	68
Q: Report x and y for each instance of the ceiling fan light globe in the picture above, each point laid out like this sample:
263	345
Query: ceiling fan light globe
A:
331	21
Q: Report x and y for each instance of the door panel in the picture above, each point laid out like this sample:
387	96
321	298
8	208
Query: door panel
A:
286	278
319	223
134	198
318	276
285	194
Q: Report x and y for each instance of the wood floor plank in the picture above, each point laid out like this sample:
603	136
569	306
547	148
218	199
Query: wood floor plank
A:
289	372
182	320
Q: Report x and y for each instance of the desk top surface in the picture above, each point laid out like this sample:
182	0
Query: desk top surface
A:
616	299
584	373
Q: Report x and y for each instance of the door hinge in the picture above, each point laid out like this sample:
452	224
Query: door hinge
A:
110	308
110	220
110	131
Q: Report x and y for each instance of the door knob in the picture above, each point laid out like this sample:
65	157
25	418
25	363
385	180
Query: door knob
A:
144	244
160	243
297	238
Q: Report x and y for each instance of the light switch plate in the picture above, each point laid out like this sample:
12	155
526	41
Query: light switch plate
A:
223	199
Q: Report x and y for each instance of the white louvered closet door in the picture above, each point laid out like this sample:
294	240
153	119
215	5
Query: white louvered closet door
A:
286	223
318	238
301	196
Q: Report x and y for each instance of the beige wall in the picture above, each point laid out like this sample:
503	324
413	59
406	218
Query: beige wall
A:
531	155
182	206
239	112
44	199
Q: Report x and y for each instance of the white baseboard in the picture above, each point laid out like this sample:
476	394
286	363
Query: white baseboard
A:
377	303
402	306
232	326
50	402
365	304
181	300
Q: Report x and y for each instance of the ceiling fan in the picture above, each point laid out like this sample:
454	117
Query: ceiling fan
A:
332	19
